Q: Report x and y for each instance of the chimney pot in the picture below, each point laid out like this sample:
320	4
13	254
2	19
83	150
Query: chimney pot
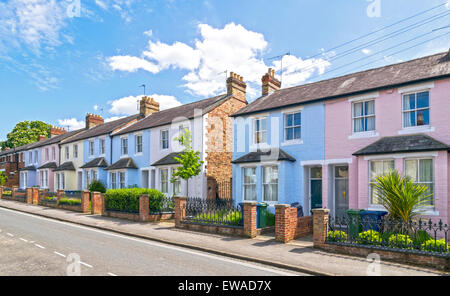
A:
42	138
269	83
93	120
148	106
56	131
237	87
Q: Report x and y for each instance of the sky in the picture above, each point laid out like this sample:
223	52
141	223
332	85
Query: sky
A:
62	59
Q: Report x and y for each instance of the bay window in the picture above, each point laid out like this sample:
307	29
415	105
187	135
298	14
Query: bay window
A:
176	184
122	180
421	171
164	180
249	183
113	178
378	168
270	183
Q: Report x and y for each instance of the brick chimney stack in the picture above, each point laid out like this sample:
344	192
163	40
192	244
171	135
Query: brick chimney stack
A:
93	120
42	138
269	83
56	131
237	87
148	106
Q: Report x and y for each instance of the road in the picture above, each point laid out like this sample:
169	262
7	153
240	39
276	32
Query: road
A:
33	245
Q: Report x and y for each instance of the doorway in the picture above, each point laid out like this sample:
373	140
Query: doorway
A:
341	203
315	187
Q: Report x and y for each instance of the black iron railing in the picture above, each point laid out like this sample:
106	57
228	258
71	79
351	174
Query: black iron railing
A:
162	205
73	194
50	197
420	236
213	212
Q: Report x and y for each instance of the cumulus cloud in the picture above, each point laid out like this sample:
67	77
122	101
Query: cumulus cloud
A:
231	48
129	105
148	33
72	123
366	51
299	70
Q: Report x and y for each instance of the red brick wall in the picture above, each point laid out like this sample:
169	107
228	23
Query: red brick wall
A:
288	226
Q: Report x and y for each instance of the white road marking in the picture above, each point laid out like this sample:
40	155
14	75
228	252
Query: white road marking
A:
85	264
157	244
24	240
10	234
59	254
112	274
39	246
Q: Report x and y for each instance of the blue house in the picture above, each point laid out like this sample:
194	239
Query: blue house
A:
278	149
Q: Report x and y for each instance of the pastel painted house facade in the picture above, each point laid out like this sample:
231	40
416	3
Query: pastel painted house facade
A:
273	145
152	165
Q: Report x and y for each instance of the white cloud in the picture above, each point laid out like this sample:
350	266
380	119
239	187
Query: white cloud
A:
447	5
231	48
148	33
366	51
95	107
71	123
129	105
113	118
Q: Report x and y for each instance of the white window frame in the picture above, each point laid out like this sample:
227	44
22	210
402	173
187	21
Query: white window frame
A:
263	182
254	132
374	115
161	140
54	153
123	184
91	148
249	184
36	157
136	137
124	140
166	181
286	127
102	146
47	154
418	159
416	109
113	179
176	183
67	152
371	203
75	151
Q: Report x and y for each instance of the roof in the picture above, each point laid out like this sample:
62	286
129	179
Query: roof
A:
102	129
257	155
67	166
168	159
54	140
99	162
426	68
165	117
124	163
49	165
28	168
402	144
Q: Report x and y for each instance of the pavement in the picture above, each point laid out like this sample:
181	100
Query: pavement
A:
298	256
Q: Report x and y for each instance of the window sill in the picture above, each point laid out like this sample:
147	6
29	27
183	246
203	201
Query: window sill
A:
416	129
124	156
292	142
138	154
262	146
363	135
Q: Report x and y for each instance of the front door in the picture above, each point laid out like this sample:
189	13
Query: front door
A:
341	191
315	186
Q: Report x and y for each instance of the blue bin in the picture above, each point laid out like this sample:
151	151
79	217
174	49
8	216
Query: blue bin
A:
372	219
299	209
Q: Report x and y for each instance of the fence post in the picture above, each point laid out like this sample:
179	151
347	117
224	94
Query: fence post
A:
180	210
35	199
85	198
29	196
320	226
284	230
60	194
98	203
144	207
250	226
14	191
1	192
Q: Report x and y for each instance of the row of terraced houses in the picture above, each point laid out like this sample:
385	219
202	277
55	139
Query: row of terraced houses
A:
317	144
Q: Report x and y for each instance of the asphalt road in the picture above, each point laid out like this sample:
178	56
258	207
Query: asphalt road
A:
32	245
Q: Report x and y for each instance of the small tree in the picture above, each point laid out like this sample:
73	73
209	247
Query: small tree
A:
3	178
400	196
191	164
97	186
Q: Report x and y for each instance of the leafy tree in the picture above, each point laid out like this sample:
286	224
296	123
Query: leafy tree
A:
26	132
400	196
3	179
191	164
97	186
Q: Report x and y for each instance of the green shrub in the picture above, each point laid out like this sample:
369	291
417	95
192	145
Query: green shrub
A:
50	198
69	201
97	186
270	219
7	192
369	237
400	241
127	200
218	217
436	246
336	236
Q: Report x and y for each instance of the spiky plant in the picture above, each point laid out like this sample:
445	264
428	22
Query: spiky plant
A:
400	196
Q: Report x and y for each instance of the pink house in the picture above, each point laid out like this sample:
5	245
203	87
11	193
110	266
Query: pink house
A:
394	117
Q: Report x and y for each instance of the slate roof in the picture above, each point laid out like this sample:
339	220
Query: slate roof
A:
54	140
256	156
49	165
99	162
28	168
124	163
165	117
403	144
422	69
168	159
102	129
67	166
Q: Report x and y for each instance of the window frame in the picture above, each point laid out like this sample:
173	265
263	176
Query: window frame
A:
161	180
286	127
370	177
124	148
91	148
161	140
374	115
416	109
433	182
137	145
75	151
123	184
244	185
113	180
263	183
102	146
255	132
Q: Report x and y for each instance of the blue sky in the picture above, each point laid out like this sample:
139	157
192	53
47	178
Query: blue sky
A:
58	62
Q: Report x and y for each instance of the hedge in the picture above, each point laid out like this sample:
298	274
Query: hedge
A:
69	201
127	200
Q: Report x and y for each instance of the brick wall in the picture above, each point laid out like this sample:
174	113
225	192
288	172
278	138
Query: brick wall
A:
219	141
288	226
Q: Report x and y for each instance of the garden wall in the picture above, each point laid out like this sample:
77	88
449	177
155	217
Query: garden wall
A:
288	226
137	217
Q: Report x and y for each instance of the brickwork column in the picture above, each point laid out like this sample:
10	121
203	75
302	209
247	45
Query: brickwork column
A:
42	194
180	210
14	191
1	192
284	230
250	226
85	199
144	207
320	226
60	194
98	203
29	195
35	195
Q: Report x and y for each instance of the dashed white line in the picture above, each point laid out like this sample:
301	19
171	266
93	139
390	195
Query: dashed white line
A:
59	254
112	274
85	264
9	234
24	240
39	246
